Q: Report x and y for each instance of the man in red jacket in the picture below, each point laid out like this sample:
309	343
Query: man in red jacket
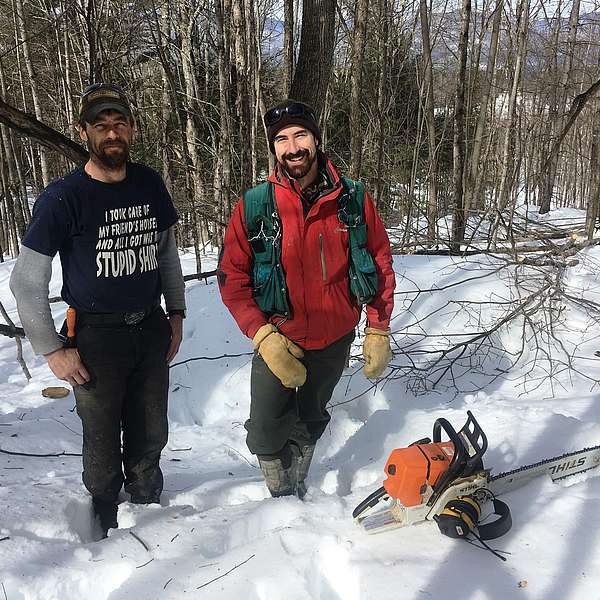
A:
301	351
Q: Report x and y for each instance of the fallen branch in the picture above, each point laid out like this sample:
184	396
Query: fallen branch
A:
225	574
196	276
140	540
146	563
187	360
39	455
28	126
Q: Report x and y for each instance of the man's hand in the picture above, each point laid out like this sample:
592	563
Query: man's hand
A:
176	322
281	356
66	364
377	352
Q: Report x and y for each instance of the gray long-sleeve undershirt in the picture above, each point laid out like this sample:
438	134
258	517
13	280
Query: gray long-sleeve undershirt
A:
30	280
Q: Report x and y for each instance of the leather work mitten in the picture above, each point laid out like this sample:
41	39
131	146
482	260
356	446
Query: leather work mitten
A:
281	356
377	352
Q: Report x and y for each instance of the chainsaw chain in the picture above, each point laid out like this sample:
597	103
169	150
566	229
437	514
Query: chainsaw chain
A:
545	461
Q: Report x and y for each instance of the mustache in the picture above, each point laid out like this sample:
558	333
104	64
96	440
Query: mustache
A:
117	142
298	154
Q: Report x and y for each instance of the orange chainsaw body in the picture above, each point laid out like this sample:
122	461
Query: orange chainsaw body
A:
410	469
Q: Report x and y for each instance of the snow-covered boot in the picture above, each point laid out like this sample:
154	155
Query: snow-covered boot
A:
280	481
105	513
304	460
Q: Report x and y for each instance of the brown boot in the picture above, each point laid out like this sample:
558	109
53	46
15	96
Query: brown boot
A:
304	459
280	481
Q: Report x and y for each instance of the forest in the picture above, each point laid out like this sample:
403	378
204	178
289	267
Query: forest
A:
456	115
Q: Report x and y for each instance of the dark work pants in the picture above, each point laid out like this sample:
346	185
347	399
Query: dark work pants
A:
128	391
279	415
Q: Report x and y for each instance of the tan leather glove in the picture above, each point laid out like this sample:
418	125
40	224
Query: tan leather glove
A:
281	356
377	352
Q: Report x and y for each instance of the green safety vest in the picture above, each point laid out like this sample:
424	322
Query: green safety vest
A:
263	226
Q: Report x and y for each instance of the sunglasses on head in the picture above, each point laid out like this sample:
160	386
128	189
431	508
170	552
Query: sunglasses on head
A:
296	109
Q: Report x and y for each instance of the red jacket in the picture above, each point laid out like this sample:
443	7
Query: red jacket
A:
314	253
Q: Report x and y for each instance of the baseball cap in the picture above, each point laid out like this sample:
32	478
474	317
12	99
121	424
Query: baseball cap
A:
102	96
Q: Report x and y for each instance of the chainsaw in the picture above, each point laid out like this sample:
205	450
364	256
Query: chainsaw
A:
445	481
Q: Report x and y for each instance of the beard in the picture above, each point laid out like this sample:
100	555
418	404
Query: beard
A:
113	155
298	170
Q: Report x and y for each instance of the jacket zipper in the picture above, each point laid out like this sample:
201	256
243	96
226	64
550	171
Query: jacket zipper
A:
322	246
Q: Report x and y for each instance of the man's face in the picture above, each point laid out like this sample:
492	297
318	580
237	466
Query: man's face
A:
296	150
109	138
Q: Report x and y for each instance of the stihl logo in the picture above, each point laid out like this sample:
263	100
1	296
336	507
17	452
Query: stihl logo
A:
566	466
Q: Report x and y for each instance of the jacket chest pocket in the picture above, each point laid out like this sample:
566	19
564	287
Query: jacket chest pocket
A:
332	253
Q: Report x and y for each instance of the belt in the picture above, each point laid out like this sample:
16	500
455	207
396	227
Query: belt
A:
116	318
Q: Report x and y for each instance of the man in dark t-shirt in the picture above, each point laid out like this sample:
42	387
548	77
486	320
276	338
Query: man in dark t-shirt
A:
111	222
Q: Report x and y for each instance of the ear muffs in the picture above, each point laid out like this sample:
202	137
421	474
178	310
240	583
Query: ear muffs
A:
500	526
461	516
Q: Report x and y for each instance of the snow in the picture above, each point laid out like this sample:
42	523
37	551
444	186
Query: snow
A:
218	533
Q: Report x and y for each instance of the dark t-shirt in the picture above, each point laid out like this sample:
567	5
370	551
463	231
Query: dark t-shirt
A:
106	234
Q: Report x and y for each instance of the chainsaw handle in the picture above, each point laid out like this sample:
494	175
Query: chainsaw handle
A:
460	453
459	458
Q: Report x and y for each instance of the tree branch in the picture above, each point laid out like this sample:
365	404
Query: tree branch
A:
28	126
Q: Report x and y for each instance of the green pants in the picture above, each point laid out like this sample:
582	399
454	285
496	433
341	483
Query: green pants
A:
279	415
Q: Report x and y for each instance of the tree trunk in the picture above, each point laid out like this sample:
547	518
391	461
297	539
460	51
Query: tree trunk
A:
547	187
242	103
315	59
474	187
506	179
458	221
382	100
358	51
288	45
429	117
593	207
37	106
223	194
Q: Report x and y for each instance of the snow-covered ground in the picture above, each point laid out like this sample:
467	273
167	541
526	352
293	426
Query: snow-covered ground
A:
218	534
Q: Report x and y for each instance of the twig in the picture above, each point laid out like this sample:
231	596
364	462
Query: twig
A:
183	362
180	449
146	563
166	584
4	590
5	538
225	574
140	540
17	335
39	455
174	537
67	427
240	455
196	276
